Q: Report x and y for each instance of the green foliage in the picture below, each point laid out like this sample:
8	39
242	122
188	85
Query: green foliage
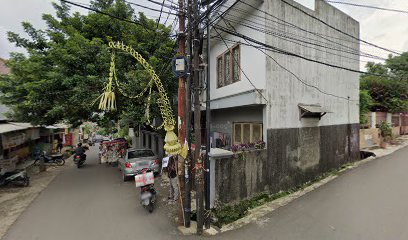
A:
386	130
68	64
366	102
390	91
229	213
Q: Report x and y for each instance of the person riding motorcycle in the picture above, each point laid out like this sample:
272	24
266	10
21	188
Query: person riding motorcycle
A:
80	151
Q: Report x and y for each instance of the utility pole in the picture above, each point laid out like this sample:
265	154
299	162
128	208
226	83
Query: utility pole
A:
187	162
181	105
207	128
197	120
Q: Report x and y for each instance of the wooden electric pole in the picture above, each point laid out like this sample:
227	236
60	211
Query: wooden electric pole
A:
197	120
187	162
181	107
207	217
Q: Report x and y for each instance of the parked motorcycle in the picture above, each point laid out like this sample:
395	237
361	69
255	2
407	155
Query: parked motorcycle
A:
54	158
147	190
79	160
16	177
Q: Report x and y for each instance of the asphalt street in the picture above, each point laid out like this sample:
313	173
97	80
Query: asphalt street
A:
366	203
91	203
369	202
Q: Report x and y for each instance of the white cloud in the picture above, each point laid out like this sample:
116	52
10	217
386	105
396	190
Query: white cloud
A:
307	3
13	12
383	28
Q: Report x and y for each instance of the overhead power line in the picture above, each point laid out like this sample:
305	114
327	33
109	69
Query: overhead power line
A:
152	9
168	14
147	28
281	51
104	13
264	48
339	30
268	28
161	11
296	39
169	6
287	70
368	6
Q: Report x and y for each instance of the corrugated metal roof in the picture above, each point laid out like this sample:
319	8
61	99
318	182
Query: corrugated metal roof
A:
58	126
13	126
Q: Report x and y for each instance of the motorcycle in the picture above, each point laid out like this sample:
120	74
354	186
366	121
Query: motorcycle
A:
16	177
147	192
79	160
55	158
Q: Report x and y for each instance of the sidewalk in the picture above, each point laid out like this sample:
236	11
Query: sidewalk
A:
401	142
14	200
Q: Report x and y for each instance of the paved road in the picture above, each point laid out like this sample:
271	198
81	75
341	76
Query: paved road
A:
370	202
91	203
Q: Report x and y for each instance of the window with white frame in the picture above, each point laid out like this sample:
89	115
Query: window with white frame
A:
247	132
228	67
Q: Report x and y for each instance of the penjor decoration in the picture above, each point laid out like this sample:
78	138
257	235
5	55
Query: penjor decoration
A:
108	99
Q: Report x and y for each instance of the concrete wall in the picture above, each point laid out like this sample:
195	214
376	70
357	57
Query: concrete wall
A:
288	161
153	141
396	131
369	138
285	92
252	61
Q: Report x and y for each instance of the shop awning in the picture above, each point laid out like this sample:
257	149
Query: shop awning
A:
13	126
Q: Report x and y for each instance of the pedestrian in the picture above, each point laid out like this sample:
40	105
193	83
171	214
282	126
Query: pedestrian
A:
172	173
60	146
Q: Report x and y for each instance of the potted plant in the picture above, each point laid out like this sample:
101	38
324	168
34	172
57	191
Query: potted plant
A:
386	134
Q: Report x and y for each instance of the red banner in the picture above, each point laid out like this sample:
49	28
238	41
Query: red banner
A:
68	139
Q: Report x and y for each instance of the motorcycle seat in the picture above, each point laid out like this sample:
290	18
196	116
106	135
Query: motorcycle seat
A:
56	155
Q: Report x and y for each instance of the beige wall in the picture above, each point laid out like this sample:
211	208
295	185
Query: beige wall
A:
396	131
369	137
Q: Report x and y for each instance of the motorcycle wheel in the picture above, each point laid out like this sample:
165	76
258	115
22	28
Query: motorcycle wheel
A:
26	182
60	162
151	206
78	165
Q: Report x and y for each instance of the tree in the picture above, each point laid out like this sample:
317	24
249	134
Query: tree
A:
68	64
366	103
390	90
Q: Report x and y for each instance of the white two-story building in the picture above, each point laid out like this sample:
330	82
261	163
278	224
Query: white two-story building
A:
281	72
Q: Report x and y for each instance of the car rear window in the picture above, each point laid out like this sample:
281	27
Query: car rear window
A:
140	153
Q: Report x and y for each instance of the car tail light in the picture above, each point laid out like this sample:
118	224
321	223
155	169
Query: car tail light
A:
157	162
127	165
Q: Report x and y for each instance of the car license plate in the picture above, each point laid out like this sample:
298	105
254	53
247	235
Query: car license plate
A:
143	164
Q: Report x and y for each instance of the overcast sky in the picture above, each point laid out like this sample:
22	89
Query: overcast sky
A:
387	29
